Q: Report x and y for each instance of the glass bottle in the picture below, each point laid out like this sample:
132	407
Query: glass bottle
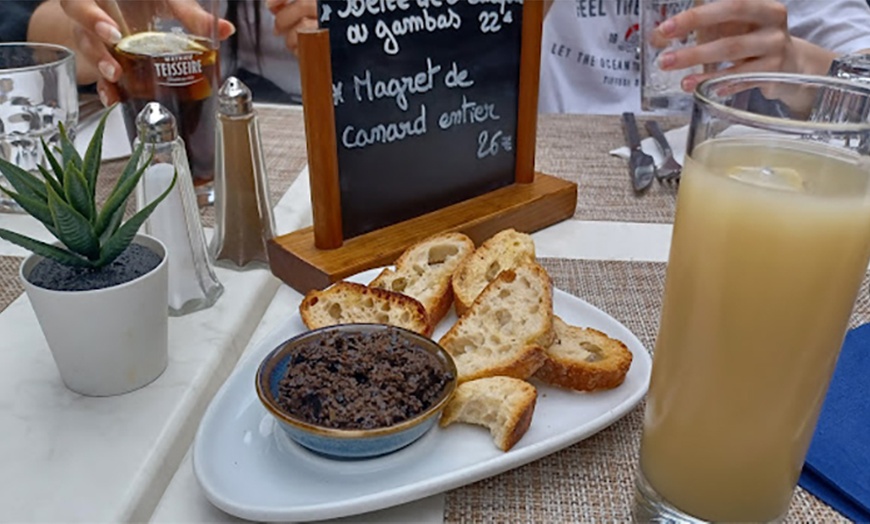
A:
243	213
176	222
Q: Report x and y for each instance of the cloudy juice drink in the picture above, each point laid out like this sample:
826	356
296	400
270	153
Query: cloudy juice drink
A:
763	272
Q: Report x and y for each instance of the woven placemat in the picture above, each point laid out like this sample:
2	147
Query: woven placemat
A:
10	286
282	131
593	480
577	149
109	173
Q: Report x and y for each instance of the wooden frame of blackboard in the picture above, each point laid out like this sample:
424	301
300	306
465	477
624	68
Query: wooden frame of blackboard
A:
315	257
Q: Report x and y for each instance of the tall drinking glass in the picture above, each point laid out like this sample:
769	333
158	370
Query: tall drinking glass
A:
37	93
661	90
169	57
771	242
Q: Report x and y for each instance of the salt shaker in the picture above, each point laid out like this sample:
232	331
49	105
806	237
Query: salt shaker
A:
192	281
243	213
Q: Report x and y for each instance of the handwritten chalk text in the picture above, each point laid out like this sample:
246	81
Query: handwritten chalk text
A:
358	8
457	78
353	138
389	32
365	88
469	112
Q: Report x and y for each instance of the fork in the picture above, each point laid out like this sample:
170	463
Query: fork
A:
670	169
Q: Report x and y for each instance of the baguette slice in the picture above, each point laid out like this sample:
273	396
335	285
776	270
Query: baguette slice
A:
507	328
425	270
349	303
504	405
584	359
505	250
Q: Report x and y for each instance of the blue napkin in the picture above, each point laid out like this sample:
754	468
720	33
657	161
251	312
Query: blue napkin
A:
837	468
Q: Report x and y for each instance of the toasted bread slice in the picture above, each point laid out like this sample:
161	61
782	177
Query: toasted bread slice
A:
505	250
504	405
507	327
425	270
584	359
349	303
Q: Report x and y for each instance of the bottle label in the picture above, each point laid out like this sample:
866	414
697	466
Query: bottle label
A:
178	70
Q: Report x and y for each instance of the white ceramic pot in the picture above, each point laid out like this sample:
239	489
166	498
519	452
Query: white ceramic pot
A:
106	341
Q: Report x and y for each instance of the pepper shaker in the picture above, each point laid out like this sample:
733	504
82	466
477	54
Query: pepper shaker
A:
243	212
192	281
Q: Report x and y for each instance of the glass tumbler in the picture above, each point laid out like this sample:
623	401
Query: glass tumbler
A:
771	242
37	93
829	106
660	89
168	55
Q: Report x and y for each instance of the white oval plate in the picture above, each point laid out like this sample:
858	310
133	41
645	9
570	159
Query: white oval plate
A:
248	468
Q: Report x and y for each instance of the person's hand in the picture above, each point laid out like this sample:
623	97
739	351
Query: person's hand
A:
290	17
750	35
95	31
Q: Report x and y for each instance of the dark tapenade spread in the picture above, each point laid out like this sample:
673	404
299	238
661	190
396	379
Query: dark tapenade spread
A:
350	380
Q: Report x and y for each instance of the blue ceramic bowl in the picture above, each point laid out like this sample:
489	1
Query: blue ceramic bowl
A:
350	443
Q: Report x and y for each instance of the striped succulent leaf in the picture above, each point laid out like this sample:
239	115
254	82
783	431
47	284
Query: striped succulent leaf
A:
64	201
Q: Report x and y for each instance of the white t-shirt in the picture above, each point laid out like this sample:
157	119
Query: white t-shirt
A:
589	60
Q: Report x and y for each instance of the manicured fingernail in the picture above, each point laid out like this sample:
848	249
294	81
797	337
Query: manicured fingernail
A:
103	98
108	32
107	70
666	60
667	27
272	3
225	29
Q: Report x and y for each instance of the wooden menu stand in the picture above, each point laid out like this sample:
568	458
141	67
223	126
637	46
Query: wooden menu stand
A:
525	207
315	257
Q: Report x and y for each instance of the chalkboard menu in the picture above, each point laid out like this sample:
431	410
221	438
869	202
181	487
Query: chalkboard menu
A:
425	95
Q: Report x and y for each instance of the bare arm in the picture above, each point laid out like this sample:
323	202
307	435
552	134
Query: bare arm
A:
812	59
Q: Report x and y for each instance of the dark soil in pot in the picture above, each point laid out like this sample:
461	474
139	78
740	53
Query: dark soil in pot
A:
134	262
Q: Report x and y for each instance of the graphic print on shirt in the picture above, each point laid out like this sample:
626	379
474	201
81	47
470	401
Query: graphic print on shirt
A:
585	29
614	59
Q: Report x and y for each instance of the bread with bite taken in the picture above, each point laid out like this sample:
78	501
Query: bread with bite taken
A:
504	405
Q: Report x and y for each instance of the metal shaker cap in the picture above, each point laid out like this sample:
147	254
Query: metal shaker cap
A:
234	98
156	124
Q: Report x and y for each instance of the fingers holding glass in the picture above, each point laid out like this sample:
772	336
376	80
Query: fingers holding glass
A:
198	21
291	17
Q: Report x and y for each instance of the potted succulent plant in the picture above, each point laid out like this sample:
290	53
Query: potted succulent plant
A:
100	291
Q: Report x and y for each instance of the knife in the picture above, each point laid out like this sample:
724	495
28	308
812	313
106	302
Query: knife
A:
641	166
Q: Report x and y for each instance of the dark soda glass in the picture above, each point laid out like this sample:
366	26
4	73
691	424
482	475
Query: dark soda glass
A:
181	72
